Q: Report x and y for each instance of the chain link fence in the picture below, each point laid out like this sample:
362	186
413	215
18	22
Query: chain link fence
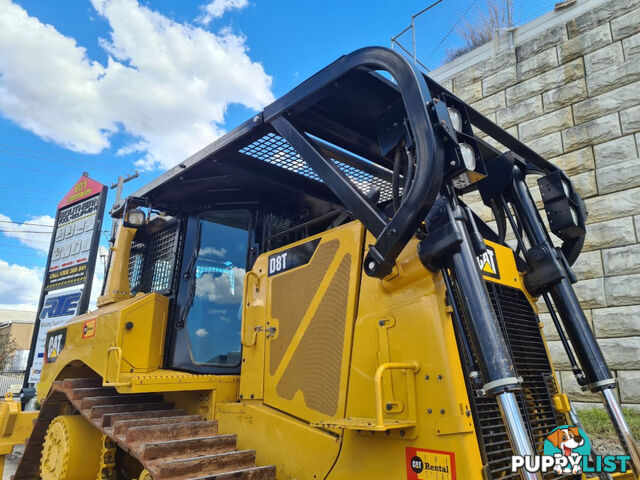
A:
447	29
11	380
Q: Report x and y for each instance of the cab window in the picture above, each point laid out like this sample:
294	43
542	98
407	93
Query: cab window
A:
217	270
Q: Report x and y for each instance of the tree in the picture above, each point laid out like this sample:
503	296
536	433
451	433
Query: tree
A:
482	29
8	348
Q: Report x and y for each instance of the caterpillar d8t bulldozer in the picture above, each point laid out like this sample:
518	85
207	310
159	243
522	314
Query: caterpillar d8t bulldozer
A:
310	297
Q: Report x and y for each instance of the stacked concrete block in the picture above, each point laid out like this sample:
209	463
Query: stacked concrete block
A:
572	93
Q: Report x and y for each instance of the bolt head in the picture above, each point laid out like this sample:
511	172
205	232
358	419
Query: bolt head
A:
389	406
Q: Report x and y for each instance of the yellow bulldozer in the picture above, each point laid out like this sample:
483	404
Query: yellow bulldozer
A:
310	297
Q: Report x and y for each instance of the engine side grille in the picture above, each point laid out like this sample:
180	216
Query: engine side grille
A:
520	326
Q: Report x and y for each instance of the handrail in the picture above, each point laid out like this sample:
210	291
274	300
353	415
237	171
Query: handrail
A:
257	329
117	383
412	367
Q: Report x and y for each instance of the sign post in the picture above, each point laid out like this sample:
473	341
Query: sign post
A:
66	288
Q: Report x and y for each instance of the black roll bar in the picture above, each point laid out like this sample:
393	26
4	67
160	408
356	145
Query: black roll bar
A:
391	235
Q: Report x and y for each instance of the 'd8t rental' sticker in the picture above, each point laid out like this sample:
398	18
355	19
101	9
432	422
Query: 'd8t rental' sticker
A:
425	464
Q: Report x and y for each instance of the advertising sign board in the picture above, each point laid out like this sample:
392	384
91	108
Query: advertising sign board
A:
70	266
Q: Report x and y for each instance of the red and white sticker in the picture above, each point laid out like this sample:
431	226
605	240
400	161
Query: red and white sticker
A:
423	464
89	328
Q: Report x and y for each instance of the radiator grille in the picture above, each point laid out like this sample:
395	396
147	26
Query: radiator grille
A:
153	259
520	326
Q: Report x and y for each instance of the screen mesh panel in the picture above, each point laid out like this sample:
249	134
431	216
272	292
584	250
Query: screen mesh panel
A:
153	259
275	150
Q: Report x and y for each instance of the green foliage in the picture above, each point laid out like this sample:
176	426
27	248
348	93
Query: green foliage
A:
597	424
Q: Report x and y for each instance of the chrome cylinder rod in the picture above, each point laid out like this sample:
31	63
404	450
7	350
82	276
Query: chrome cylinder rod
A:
624	432
520	441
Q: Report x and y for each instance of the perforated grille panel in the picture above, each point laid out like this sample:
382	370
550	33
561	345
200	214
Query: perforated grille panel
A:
520	327
152	260
275	150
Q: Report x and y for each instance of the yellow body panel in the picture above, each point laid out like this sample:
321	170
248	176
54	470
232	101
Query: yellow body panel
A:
297	450
324	325
102	341
388	344
389	317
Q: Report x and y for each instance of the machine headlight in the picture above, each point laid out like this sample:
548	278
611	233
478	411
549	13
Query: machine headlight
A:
456	119
468	156
567	190
135	217
574	216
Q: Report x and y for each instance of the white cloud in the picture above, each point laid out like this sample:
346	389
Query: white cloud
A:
216	252
217	8
166	84
218	289
30	232
201	332
19	286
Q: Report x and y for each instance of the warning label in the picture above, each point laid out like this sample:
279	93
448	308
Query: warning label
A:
89	328
425	464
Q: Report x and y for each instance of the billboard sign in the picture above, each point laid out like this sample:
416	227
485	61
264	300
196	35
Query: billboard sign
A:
59	307
70	265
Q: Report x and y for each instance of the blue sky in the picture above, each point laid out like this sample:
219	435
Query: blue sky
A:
111	86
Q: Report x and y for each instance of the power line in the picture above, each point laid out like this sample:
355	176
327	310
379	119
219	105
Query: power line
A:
25	231
92	162
21	254
60	162
38	170
27	223
22	246
12	186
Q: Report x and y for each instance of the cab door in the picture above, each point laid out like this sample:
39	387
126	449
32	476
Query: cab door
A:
207	318
311	307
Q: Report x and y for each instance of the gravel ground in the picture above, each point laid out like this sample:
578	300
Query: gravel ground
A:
11	462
